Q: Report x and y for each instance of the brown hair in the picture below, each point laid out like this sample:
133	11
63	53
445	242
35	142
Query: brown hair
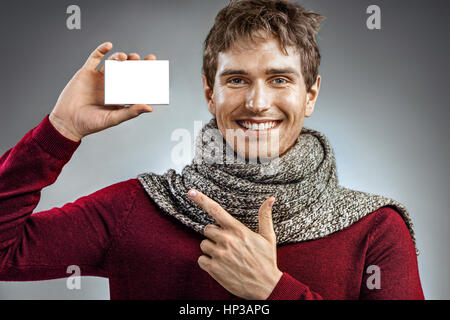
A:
291	24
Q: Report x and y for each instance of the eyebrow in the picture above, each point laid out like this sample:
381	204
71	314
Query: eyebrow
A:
228	72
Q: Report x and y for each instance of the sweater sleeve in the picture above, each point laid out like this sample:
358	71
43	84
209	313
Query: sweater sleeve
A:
42	245
289	288
391	269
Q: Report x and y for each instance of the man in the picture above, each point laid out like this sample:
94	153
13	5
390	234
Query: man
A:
274	225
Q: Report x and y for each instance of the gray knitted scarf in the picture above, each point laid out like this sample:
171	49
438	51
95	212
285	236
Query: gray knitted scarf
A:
309	202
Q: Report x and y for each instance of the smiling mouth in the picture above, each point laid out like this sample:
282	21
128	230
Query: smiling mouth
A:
258	125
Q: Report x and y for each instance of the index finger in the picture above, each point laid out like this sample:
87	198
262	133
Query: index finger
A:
222	217
97	55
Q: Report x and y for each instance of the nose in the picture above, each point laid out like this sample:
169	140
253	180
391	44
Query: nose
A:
258	98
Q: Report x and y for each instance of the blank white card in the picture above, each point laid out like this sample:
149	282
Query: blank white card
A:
136	82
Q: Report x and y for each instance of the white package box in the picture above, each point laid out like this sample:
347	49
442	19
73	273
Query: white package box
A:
136	82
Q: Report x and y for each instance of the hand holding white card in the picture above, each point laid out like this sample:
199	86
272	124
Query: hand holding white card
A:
136	82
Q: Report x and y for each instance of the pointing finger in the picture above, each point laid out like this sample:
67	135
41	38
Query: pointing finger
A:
223	218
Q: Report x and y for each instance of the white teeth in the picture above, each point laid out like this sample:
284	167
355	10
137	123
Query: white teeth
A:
261	126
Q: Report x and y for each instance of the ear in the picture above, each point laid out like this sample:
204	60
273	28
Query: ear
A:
208	95
311	97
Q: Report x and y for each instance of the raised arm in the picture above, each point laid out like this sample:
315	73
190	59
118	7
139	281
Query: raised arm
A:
39	246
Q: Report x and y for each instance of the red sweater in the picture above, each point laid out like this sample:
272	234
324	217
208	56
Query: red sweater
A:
118	232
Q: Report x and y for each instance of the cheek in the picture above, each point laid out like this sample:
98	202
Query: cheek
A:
227	100
291	103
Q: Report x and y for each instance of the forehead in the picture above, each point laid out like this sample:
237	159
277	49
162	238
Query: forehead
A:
262	54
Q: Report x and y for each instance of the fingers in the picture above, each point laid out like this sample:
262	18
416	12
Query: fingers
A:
119	56
213	232
150	57
97	55
134	56
208	247
204	262
214	209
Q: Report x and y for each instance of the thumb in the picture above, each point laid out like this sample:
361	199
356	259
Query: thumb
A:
97	55
265	223
137	109
126	113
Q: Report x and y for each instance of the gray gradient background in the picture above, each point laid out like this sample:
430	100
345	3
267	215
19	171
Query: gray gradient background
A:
383	105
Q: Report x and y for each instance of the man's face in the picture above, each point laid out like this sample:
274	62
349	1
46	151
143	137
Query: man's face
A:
260	92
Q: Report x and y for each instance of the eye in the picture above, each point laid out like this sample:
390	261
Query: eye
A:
279	81
236	81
